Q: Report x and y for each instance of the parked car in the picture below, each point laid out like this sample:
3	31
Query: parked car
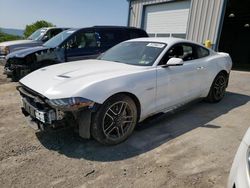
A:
36	39
240	171
70	45
105	98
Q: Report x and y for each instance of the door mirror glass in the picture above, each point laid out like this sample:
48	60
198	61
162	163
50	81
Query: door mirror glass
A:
174	62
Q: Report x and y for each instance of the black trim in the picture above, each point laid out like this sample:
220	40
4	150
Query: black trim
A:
221	23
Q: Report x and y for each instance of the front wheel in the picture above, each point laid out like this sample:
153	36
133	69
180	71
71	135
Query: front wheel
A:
218	88
115	120
15	77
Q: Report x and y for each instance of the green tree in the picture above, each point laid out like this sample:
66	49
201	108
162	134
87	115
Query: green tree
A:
29	29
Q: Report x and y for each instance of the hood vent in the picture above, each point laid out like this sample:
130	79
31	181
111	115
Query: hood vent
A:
64	76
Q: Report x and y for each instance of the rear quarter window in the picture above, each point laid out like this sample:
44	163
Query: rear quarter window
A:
202	52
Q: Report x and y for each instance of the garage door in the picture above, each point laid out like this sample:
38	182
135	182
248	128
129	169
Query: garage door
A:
167	19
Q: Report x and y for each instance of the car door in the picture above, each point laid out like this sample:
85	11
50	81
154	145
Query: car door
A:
82	45
178	84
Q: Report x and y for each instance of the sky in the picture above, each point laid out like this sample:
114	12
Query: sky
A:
63	13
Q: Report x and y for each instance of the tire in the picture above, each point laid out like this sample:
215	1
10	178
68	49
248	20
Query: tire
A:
15	77
218	88
115	120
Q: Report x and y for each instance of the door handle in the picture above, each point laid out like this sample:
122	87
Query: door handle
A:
200	68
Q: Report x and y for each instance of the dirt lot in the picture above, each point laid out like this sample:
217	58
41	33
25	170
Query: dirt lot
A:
191	148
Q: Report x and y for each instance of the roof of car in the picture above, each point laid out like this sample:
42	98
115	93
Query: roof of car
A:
115	27
106	27
167	40
47	28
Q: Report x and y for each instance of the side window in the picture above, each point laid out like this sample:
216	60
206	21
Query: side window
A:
202	52
82	40
188	53
183	51
54	32
50	34
176	51
110	38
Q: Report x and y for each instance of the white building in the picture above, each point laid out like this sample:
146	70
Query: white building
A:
226	23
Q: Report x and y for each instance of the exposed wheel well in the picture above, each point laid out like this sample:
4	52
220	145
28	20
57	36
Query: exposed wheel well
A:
135	99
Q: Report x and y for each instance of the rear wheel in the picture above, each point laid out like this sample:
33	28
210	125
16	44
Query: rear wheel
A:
115	120
218	88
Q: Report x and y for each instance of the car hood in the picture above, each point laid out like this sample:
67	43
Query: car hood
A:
27	51
69	79
16	42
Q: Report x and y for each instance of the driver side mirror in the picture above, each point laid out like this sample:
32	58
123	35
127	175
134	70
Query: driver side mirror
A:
174	62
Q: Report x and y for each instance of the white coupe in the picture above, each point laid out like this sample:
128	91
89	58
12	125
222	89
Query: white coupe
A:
107	97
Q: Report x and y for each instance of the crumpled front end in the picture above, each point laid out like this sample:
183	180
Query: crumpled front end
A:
21	63
48	114
19	67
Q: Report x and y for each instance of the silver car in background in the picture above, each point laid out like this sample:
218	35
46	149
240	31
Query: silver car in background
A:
36	39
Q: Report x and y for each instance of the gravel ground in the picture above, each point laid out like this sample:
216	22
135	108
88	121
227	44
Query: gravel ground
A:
193	147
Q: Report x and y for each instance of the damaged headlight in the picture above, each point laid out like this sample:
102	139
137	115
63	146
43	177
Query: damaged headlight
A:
70	104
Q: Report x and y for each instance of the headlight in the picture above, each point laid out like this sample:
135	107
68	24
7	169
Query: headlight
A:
70	104
4	50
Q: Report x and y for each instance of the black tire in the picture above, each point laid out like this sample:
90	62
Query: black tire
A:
115	120
15	77
218	88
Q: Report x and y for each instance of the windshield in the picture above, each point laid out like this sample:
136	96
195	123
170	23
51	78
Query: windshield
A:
134	53
37	35
58	39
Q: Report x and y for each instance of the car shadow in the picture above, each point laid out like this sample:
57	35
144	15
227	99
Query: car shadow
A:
148	135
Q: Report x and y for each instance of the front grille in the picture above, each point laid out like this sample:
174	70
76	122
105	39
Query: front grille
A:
33	98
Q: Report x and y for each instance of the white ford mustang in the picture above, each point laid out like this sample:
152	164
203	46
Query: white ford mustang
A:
105	98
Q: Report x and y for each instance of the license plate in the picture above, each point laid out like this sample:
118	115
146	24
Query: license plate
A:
40	116
35	113
30	109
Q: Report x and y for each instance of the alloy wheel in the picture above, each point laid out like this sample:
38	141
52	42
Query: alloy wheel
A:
220	87
117	120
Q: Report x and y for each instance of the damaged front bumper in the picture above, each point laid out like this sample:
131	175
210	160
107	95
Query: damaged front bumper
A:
8	71
37	109
16	68
22	70
47	116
